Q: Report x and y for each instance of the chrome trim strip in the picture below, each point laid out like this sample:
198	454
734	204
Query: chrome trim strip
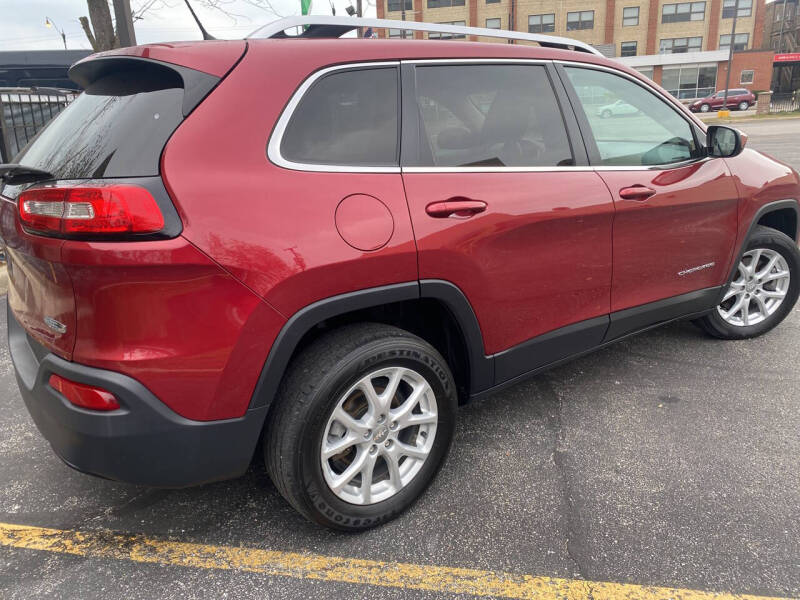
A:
274	144
273	147
461	61
350	24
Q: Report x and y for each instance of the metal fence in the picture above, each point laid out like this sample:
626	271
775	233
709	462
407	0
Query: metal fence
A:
24	112
784	102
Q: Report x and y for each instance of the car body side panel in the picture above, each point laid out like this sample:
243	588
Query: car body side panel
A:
273	228
690	223
761	180
163	313
537	259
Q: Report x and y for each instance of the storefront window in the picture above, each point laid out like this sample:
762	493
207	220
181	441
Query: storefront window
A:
690	81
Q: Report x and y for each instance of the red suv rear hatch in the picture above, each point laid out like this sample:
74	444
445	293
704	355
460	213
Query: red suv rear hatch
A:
113	133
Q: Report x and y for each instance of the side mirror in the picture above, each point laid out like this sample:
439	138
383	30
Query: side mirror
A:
724	142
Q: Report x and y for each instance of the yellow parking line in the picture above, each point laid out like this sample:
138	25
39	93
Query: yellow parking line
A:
139	548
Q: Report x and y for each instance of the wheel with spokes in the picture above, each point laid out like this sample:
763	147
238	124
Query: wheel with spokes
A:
763	290
363	420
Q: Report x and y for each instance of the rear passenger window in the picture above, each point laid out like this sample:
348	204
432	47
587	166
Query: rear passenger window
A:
489	116
346	118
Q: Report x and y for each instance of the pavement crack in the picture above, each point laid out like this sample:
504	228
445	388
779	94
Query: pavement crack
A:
568	509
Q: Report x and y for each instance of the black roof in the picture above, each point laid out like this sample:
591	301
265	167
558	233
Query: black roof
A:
41	58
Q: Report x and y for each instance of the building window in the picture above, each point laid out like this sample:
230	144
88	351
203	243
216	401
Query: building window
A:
627	49
740	41
400	34
492	1
646	71
580	20
729	8
690	81
680	45
685	11
398	5
747	76
630	16
448	36
541	23
444	3
493	23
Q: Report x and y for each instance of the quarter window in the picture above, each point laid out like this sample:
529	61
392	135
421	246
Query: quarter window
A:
681	45
631	126
685	11
346	118
630	16
542	23
740	41
627	49
489	116
580	20
729	8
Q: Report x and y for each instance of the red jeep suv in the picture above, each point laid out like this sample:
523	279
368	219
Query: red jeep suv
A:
329	244
740	99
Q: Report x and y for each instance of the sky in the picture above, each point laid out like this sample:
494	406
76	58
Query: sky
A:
22	22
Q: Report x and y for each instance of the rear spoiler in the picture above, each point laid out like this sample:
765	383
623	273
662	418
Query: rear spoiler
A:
196	84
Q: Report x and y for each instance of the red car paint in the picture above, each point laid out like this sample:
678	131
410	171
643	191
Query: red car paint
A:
717	99
193	318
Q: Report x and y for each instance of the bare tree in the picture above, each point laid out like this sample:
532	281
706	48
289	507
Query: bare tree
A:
102	35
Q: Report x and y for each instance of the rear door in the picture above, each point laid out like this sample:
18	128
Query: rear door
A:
676	210
505	207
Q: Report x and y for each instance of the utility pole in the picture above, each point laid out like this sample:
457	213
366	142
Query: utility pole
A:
125	32
730	56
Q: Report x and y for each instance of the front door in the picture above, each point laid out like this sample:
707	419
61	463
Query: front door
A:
676	210
505	207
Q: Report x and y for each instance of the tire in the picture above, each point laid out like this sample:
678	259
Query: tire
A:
743	106
329	375
764	245
705	107
606	114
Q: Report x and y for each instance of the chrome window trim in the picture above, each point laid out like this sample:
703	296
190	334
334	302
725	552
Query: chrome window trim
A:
274	144
275	140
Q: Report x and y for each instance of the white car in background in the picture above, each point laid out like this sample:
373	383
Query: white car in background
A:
617	108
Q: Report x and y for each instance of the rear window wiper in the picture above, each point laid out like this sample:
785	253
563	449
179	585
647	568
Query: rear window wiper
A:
14	174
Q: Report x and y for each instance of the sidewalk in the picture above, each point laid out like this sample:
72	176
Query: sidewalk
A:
747	115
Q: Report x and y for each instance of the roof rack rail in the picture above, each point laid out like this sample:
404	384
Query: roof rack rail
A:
320	26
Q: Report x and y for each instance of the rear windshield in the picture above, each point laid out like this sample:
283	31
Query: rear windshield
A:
116	128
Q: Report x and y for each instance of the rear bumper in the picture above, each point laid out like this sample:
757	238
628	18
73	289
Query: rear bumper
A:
143	442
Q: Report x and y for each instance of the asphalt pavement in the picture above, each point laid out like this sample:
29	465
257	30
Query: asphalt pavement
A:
670	459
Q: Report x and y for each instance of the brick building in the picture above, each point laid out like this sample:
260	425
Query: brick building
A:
782	34
683	46
634	27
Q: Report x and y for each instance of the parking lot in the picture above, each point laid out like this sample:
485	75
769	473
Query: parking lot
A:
670	460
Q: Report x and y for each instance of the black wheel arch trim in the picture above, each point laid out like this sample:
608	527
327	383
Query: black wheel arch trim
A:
760	214
481	367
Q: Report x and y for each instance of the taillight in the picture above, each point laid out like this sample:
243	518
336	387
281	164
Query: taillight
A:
90	210
85	396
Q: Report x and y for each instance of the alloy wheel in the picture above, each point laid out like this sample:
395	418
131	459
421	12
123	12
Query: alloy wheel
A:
379	435
758	290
